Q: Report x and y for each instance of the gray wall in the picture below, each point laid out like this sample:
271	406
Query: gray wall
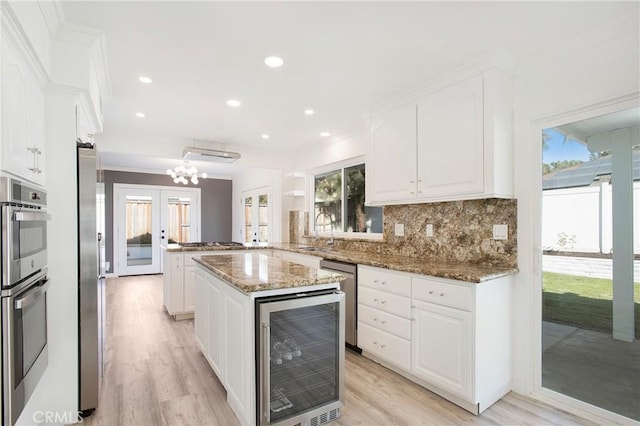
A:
215	200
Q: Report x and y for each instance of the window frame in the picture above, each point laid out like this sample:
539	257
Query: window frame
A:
340	165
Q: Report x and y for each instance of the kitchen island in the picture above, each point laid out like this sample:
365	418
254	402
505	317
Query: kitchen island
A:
241	309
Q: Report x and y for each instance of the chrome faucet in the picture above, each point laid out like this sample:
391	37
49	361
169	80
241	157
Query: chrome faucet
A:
330	240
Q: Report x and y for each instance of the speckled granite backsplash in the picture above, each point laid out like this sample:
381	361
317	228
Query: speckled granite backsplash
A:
462	231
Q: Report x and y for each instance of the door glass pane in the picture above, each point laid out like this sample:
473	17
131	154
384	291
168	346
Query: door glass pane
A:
178	219
138	230
263	217
248	219
580	356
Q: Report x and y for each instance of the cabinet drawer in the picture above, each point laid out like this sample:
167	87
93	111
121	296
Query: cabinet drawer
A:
384	280
393	324
391	303
448	294
386	346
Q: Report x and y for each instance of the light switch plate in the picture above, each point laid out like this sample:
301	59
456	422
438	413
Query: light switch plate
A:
429	230
399	230
500	232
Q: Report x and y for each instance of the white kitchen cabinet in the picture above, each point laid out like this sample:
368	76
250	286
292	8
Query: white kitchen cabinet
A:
178	288
224	329
384	312
391	161
441	347
23	118
450	336
215	315
201	322
451	143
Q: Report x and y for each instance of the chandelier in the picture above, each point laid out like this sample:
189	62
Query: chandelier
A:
183	174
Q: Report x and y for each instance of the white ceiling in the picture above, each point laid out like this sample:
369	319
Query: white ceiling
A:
341	58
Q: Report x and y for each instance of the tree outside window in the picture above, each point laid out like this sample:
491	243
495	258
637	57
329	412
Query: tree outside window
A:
339	202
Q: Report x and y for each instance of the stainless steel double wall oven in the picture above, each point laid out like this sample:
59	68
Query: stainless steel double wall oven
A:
24	293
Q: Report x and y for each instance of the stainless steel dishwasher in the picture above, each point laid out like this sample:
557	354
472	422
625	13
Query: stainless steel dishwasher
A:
349	287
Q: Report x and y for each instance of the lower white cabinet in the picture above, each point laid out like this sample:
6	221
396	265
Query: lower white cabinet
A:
450	336
224	332
441	347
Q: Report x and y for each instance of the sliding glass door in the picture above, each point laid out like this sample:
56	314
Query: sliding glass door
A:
591	258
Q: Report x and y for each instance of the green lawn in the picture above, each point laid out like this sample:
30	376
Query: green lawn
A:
582	302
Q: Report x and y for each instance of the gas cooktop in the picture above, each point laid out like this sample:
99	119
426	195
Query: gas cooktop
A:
213	244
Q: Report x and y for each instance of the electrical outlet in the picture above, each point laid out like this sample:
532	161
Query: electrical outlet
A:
429	230
399	230
500	232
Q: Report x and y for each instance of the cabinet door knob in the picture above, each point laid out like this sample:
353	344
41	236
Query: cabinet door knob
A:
375	342
383	283
375	319
430	291
375	300
383	346
441	294
375	281
383	322
383	302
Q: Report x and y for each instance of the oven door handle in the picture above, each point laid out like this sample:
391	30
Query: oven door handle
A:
31	216
33	295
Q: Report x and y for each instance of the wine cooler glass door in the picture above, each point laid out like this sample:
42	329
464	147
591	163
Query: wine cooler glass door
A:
302	358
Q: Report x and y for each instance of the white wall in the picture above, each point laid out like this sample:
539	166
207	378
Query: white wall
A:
587	76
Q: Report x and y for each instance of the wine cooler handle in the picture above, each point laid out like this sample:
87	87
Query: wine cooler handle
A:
266	373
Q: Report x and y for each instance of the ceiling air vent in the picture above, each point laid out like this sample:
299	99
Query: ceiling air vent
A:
201	154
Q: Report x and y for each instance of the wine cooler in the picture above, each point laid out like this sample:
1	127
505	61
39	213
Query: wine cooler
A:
300	359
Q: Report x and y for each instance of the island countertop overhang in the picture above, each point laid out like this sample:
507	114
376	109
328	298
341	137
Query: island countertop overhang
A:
252	272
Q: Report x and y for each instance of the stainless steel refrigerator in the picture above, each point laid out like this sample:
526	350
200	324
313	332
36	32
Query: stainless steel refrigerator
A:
90	283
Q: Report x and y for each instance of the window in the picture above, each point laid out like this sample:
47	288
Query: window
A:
339	202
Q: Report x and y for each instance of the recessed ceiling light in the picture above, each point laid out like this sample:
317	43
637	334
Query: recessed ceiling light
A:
233	103
265	136
325	134
309	111
140	114
145	79
274	61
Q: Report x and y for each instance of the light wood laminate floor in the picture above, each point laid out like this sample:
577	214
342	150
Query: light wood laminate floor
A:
155	375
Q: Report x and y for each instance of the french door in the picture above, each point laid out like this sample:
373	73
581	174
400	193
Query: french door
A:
146	217
257	215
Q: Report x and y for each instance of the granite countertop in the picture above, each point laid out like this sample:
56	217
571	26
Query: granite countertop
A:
468	272
473	273
251	272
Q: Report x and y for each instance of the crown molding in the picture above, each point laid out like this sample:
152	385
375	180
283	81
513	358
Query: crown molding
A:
95	41
53	15
84	104
14	32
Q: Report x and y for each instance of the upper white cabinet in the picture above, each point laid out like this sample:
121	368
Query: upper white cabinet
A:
23	118
452	142
391	161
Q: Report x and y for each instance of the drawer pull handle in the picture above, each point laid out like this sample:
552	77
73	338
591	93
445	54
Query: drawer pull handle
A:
441	294
431	292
